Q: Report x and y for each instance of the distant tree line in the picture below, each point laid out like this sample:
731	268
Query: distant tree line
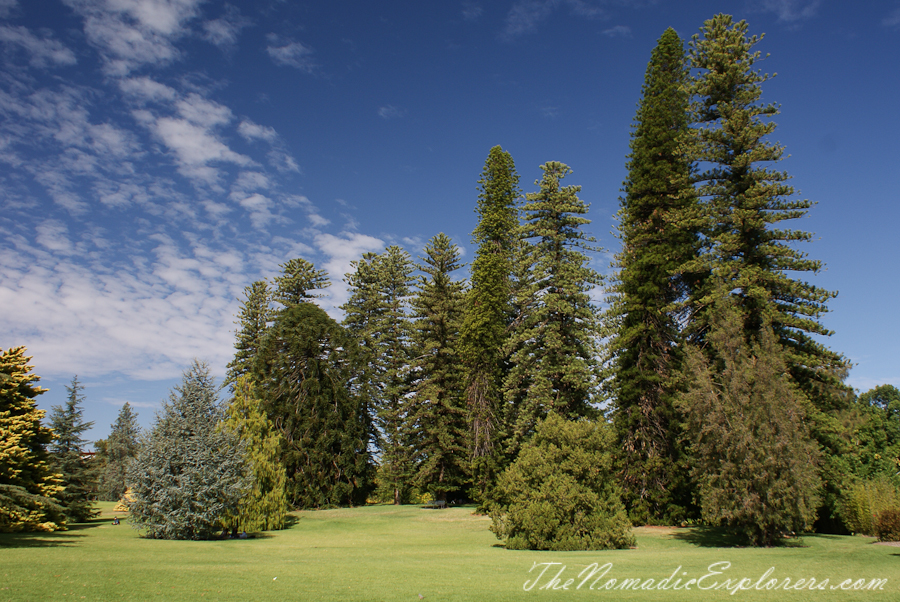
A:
701	393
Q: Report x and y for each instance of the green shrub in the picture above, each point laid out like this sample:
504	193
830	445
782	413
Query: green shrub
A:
866	499
560	493
887	525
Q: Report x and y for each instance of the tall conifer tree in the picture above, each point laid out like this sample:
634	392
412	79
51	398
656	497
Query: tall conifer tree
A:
121	448
554	364
253	320
437	417
659	228
78	475
746	202
28	486
488	312
297	281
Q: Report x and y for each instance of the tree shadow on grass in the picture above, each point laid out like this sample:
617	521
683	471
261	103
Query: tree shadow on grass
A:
710	537
57	539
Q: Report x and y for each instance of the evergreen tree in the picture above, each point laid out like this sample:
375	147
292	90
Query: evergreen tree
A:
253	320
746	203
487	315
121	447
189	475
265	507
298	278
437	418
752	456
560	493
377	314
310	375
554	364
658	225
28	486
79	476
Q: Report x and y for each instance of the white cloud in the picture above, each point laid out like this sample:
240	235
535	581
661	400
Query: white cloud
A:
195	147
472	11
252	131
41	50
54	236
790	11
893	19
525	15
291	54
224	31
145	89
203	112
619	31
391	112
6	7
131	33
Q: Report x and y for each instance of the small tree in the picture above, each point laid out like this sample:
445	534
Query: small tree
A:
79	477
119	450
27	484
754	462
189	474
265	507
560	493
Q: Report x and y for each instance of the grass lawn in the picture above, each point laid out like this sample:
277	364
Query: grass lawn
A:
409	553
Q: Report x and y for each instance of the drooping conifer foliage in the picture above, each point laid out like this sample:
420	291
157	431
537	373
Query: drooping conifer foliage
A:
487	315
659	229
265	506
310	375
746	202
79	476
437	411
554	365
756	467
189	474
28	486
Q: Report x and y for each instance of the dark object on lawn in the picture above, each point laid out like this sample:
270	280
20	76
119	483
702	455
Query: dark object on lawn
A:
437	504
116	520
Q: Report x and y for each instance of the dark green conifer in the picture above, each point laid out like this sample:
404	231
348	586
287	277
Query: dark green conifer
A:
253	320
79	477
120	448
659	228
488	314
437	415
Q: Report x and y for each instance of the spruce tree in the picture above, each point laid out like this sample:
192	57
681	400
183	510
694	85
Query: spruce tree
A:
253	319
659	229
377	314
265	507
79	477
28	486
437	415
752	456
310	375
189	474
746	202
554	364
121	447
487	315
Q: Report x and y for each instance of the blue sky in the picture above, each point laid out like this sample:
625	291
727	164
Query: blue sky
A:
156	156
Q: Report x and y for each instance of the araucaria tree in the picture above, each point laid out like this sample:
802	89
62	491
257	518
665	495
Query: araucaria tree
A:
437	416
120	449
265	507
659	229
487	315
189	474
377	314
554	364
28	486
297	281
310	375
749	251
79	477
754	462
253	320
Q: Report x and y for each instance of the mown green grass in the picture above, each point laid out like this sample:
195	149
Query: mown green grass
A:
401	553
